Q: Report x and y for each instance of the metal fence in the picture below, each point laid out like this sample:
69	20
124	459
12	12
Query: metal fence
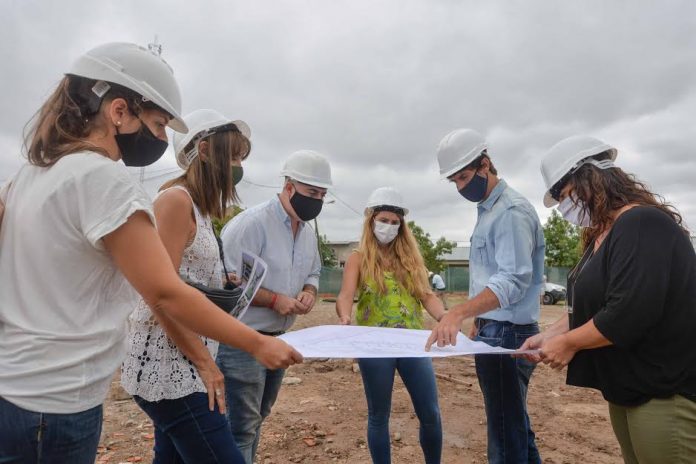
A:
456	278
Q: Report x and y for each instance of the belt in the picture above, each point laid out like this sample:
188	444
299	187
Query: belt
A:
271	334
482	322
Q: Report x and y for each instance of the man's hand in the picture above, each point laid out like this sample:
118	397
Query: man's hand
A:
234	278
473	330
344	320
556	351
445	332
308	299
285	305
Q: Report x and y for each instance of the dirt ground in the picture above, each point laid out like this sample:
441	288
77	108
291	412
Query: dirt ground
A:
323	418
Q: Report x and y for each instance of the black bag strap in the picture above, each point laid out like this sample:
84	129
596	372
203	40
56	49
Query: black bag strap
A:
229	284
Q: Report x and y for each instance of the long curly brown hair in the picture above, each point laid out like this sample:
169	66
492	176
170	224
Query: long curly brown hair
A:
604	191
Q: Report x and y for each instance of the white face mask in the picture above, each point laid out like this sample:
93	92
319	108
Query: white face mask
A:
384	232
575	214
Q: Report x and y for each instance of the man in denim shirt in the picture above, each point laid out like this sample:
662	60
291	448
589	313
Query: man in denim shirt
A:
506	274
276	231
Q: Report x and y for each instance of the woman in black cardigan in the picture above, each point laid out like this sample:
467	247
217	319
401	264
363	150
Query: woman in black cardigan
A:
631	327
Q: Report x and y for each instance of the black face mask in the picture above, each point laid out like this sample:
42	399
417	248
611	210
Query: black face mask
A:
306	208
475	190
237	174
140	148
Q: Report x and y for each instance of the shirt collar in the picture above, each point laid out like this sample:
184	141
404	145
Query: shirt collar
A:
281	213
498	190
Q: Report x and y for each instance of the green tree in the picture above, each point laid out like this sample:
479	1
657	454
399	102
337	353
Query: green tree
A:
562	241
328	257
232	211
432	252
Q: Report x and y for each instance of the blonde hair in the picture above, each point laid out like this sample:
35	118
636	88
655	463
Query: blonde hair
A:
409	266
210	181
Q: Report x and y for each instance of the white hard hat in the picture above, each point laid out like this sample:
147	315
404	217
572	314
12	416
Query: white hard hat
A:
568	155
308	167
137	69
385	196
202	123
458	149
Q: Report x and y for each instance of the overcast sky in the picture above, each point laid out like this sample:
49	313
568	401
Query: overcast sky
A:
375	85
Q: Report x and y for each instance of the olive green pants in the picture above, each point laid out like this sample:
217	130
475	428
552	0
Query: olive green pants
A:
661	431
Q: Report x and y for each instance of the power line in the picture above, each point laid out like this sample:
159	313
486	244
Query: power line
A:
162	169
344	203
164	174
247	181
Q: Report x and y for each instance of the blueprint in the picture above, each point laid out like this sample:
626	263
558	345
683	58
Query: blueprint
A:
350	341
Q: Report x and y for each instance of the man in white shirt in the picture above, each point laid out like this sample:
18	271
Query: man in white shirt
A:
439	286
277	232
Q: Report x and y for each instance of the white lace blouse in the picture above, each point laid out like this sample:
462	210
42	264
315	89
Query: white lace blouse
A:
154	368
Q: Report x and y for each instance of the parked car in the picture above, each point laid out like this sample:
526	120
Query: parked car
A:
553	293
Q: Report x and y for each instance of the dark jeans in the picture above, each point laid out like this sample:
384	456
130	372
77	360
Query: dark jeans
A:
419	379
504	380
28	437
250	392
187	431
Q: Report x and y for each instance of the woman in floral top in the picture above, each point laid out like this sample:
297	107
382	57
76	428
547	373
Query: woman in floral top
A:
393	288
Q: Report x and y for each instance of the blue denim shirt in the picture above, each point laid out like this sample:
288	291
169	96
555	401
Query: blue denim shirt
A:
265	230
507	255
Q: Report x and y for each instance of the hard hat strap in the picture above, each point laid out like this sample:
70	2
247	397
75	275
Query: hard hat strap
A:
555	191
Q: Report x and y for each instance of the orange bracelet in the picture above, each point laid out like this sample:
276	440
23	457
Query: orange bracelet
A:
273	300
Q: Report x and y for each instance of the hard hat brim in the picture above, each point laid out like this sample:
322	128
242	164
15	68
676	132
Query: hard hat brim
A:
549	200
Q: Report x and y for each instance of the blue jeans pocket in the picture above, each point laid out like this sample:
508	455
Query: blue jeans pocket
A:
492	341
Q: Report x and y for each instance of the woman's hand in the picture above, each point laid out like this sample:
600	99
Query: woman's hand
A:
557	351
214	383
344	320
532	343
274	353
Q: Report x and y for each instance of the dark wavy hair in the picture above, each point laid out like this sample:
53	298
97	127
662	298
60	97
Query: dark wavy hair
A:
603	191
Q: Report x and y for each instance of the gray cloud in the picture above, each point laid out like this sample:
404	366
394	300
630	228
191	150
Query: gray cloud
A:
375	85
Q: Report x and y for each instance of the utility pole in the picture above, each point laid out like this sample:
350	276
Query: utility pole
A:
316	231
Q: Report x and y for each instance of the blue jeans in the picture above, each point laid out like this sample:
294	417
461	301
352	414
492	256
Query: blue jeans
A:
187	431
28	437
419	379
250	392
503	380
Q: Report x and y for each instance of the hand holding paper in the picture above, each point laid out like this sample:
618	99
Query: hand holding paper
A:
348	341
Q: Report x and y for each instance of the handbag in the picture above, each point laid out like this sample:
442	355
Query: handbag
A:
224	298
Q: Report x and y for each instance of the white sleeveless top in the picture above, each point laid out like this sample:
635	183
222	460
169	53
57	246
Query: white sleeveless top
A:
154	368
